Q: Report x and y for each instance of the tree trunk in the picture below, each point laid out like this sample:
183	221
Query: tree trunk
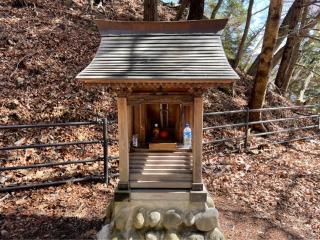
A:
261	79
283	31
196	9
305	87
183	6
244	36
282	79
216	9
296	49
150	10
276	58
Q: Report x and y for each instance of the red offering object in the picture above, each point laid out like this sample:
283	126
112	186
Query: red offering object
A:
164	134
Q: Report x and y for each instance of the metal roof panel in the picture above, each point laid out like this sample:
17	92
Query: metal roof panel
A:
160	50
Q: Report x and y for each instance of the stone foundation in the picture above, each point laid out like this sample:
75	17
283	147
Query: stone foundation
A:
162	215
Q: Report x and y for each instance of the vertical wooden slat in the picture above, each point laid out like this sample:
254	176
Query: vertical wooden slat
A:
123	142
130	123
197	142
143	116
136	121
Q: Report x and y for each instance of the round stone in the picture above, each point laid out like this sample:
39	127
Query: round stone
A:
151	236
195	237
171	219
138	220
154	218
118	238
207	220
189	219
136	235
216	234
171	236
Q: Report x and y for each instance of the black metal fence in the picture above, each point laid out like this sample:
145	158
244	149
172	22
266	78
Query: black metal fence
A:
310	113
104	141
242	137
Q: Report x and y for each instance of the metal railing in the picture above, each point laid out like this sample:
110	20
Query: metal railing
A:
246	124
104	141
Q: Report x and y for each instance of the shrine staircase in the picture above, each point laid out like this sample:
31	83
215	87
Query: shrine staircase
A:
160	169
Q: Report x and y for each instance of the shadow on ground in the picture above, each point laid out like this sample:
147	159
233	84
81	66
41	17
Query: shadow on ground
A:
18	226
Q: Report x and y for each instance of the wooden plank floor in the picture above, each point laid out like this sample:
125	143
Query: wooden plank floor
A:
160	169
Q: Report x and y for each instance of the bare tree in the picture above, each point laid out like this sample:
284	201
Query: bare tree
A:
283	31
216	9
304	87
262	77
244	36
282	80
150	10
196	9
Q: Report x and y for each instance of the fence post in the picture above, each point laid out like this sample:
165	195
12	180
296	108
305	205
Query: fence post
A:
246	136
105	149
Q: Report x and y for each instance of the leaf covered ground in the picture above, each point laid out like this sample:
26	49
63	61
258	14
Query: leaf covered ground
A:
269	193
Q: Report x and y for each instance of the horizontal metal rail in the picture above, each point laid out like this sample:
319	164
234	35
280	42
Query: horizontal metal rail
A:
224	140
283	119
285	130
225	126
222	113
50	145
284	108
258	122
50	184
261	110
47	125
41	165
298	139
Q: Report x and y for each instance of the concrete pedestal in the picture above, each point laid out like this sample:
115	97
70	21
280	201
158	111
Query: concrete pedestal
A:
162	215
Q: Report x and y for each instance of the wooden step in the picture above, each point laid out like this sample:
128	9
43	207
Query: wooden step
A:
160	176
160	157
155	161
160	166
161	184
160	154
160	171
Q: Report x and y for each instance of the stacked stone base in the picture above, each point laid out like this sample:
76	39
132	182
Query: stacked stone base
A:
163	215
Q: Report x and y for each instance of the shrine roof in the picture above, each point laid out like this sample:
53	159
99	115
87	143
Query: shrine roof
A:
159	52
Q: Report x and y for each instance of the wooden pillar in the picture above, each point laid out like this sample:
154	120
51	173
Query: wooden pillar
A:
197	143
130	124
123	143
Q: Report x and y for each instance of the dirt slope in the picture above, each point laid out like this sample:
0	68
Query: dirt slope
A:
43	45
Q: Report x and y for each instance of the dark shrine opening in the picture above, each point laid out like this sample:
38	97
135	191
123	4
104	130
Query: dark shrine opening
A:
163	123
159	126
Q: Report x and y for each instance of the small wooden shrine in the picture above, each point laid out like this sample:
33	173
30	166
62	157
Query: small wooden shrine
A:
160	71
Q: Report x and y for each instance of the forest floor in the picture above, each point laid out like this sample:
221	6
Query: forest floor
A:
270	193
273	194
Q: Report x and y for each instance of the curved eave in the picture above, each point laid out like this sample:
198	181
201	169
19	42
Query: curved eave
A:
155	83
160	53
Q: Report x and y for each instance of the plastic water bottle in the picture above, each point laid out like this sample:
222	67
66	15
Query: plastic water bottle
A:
187	136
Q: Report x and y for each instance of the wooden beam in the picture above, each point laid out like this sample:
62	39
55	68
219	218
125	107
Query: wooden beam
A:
177	99
123	143
197	143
